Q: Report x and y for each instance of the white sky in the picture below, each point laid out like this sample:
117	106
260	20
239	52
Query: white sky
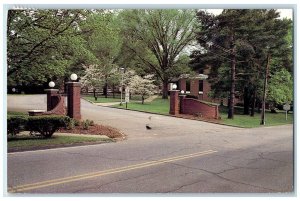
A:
284	13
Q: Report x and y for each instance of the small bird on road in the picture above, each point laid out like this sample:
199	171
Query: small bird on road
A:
148	127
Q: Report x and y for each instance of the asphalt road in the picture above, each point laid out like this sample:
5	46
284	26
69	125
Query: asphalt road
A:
176	156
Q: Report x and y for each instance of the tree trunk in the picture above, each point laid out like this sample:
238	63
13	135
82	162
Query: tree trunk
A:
246	100
113	90
165	89
253	102
263	122
143	99
232	87
94	92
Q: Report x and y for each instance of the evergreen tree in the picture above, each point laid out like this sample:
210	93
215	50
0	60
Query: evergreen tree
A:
237	42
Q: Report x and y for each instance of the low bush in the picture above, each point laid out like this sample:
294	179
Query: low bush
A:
16	124
86	123
47	125
72	123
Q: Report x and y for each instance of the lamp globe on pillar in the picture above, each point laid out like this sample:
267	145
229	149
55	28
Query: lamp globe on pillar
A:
51	84
174	86
73	77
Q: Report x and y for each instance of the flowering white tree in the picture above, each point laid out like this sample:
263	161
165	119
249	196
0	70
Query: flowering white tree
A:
93	78
142	86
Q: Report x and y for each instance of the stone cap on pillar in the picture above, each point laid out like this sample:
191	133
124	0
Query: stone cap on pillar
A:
74	83
51	90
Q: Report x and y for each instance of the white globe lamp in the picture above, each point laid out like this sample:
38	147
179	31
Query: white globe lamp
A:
174	86
73	77
51	84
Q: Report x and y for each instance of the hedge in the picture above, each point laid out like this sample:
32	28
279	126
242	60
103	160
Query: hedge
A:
16	124
44	125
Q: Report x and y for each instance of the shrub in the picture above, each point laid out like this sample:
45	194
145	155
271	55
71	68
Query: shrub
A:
86	123
16	124
47	125
71	123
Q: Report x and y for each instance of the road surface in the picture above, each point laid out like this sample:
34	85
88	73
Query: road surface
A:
176	156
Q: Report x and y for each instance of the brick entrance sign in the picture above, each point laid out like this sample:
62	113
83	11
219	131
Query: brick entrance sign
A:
74	100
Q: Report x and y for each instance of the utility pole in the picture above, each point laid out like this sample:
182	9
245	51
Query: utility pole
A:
263	111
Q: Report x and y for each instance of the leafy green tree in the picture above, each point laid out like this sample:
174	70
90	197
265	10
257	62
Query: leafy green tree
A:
157	38
280	87
42	44
101	34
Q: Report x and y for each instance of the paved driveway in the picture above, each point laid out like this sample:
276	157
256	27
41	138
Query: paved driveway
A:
177	155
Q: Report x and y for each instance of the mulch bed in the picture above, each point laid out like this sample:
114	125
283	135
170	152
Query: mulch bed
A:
95	130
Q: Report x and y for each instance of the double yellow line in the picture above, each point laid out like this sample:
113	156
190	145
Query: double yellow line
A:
64	180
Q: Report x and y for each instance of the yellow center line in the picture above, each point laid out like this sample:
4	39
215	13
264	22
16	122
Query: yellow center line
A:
64	180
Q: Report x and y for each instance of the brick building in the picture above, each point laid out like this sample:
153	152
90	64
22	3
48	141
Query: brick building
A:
197	86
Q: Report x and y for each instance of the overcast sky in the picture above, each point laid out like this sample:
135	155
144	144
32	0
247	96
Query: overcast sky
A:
284	13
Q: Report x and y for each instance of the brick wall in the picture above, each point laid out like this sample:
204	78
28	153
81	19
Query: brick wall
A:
59	108
55	103
196	107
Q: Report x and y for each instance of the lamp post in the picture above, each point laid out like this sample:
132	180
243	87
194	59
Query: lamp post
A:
122	72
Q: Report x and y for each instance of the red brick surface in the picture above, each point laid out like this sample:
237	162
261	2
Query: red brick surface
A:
196	107
195	87
174	102
55	103
74	100
182	85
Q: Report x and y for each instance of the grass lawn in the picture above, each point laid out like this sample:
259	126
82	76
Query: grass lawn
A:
17	113
110	99
161	106
101	99
25	142
250	122
271	119
158	105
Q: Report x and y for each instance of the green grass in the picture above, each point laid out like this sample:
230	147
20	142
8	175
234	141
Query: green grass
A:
101	99
246	121
17	113
158	105
110	99
23	142
161	106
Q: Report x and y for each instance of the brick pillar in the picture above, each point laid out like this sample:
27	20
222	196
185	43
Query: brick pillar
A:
182	84
174	102
195	87
74	100
51	98
181	99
